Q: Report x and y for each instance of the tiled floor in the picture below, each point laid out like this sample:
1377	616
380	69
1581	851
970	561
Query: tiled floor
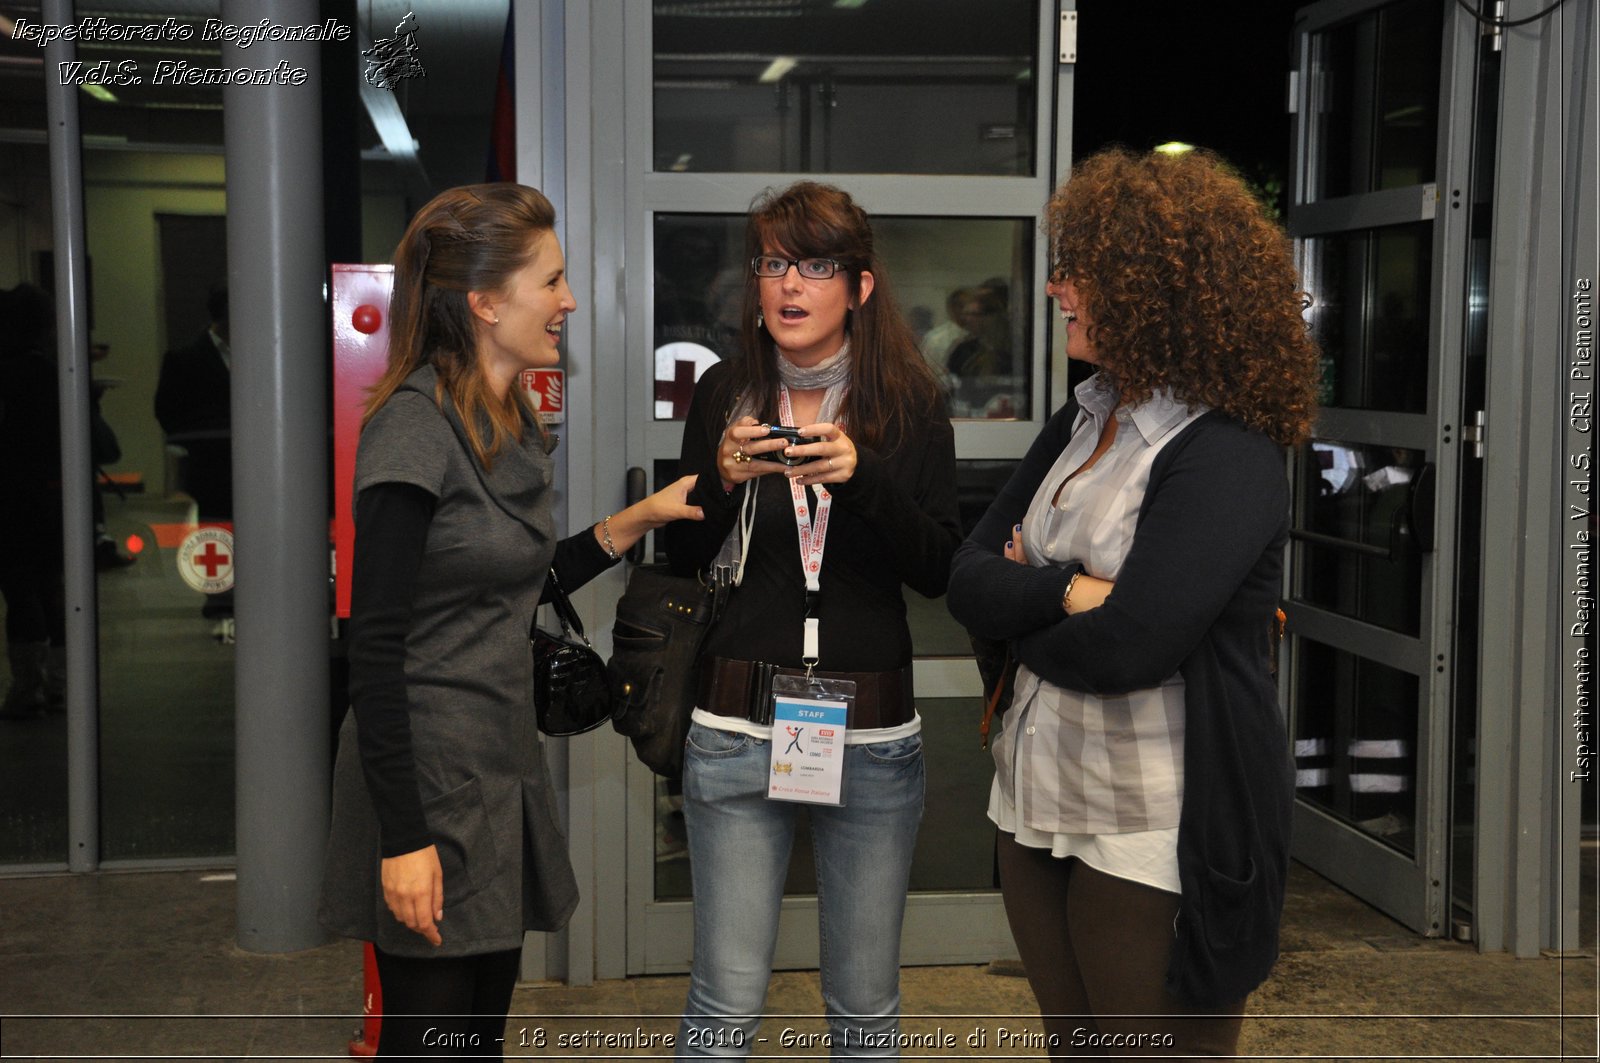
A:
145	965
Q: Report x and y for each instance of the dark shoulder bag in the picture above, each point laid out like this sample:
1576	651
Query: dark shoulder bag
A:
570	692
662	624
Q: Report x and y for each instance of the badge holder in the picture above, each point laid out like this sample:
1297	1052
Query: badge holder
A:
810	720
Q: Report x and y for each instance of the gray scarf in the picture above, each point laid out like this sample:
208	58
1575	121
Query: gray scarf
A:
832	373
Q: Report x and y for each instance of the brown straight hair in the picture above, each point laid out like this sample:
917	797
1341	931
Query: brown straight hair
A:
889	381
468	239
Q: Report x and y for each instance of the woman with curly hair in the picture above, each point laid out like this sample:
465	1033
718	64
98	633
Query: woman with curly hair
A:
1143	784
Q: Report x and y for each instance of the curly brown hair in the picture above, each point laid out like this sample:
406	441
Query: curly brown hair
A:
1188	285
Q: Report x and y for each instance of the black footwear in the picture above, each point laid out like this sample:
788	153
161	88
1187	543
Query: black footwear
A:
25	698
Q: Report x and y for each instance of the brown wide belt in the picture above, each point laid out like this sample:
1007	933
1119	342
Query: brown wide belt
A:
743	689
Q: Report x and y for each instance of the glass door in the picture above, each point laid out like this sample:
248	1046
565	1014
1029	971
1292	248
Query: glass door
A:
1383	101
945	129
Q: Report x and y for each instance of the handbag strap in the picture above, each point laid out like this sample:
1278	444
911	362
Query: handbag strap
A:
565	613
993	702
727	568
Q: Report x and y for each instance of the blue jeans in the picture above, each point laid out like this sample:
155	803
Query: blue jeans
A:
739	846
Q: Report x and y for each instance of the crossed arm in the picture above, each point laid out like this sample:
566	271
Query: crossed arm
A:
1217	501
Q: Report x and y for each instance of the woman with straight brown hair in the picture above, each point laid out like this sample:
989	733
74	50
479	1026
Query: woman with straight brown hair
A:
445	846
860	508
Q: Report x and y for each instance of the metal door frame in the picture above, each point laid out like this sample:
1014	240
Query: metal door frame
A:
943	927
1410	888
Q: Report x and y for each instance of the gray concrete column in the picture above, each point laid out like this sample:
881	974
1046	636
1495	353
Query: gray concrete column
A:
278	332
77	468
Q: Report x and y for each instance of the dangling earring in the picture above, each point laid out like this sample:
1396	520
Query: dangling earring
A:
761	319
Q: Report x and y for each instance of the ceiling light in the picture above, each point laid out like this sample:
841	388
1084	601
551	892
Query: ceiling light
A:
99	92
776	69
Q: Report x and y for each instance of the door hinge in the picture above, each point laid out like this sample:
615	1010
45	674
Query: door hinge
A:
1495	29
1294	92
1475	434
1069	37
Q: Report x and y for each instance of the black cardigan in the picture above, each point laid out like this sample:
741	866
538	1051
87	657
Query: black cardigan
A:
1196	595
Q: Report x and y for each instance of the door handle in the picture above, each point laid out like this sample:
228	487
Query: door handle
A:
634	491
1344	546
1413	519
1420	508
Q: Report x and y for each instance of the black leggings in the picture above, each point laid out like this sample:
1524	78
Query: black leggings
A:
1095	948
445	1006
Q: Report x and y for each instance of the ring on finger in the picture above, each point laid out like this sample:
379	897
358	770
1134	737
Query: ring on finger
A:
830	464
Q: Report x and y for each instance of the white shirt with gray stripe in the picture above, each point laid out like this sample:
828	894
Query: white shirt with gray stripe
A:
1099	778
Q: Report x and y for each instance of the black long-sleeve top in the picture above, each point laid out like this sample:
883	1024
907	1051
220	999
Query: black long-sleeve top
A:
893	523
391	535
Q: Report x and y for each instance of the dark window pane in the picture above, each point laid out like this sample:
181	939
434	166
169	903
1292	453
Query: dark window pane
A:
894	86
1341	90
1376	96
1360	496
1407	113
955	279
1369	313
33	760
699	275
1355	748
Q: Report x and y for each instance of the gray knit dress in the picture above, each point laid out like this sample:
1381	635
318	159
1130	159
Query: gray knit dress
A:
486	795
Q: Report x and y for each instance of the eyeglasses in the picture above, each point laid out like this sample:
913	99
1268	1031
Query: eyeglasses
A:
812	269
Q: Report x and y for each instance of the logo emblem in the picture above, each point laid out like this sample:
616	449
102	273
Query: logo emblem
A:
205	560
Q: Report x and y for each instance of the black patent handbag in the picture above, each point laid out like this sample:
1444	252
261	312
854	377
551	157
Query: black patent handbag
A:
570	691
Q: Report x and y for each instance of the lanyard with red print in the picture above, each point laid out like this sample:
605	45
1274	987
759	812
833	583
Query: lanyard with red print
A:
813	532
810	718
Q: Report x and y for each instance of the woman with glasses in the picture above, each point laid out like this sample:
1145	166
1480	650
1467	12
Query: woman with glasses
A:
1133	563
840	520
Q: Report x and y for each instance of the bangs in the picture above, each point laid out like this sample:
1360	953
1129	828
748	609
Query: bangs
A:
800	234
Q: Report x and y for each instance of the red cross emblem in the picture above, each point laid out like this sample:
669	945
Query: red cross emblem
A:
205	559
679	390
211	559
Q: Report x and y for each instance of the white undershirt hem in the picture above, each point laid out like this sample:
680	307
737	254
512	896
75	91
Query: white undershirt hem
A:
851	738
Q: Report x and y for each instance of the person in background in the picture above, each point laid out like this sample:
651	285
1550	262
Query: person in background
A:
104	449
941	339
445	846
194	407
1143	785
31	532
865	509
